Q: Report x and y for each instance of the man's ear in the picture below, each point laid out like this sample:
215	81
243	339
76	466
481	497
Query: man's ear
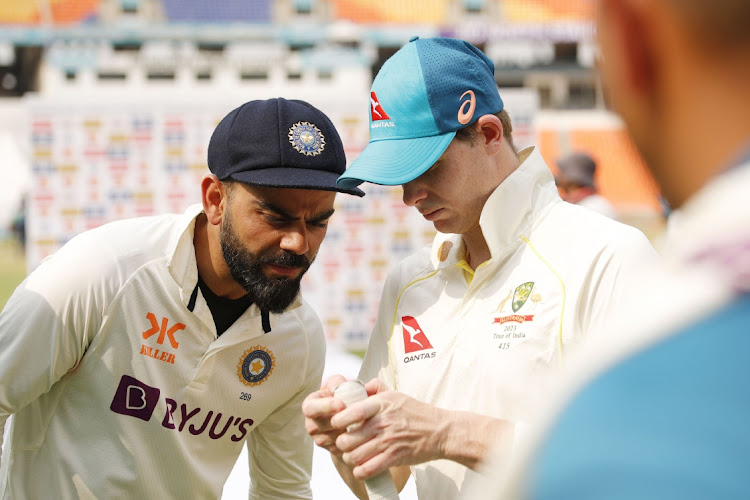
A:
633	36
490	131
214	198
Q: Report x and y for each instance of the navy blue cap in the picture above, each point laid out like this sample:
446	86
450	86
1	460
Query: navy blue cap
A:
279	143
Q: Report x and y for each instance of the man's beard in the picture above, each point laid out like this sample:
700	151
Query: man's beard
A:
269	294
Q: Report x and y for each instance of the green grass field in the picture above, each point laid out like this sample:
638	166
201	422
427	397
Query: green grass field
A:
12	269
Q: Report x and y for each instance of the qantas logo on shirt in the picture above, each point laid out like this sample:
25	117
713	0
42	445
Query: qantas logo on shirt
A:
136	399
414	337
415	340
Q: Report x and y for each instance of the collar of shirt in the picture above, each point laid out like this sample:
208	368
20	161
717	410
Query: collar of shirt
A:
181	262
508	214
714	221
514	207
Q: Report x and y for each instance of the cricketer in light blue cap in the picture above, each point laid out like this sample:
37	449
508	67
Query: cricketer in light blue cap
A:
424	93
503	236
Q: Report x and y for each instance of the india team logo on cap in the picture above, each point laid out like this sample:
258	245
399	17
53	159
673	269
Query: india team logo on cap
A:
255	365
307	138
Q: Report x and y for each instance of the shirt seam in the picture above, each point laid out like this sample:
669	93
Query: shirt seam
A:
393	324
562	301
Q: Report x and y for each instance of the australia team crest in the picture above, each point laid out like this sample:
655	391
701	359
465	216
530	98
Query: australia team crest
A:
307	138
255	365
521	295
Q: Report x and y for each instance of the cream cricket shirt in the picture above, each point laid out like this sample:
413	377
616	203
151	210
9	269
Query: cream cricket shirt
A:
120	388
486	343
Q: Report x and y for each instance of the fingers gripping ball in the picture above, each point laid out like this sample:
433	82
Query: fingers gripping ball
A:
380	486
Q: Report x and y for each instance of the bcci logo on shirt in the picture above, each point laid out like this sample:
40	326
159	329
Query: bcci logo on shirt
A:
255	365
306	138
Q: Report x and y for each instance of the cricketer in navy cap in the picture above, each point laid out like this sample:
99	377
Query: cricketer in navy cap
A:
281	143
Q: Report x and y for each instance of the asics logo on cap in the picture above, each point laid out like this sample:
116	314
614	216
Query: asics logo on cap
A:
378	113
465	116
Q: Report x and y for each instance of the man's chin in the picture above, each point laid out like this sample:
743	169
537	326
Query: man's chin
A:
277	306
276	295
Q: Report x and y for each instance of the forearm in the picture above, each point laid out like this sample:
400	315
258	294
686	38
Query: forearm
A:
400	476
357	486
469	438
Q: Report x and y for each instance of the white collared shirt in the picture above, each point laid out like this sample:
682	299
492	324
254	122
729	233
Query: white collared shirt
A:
487	345
120	388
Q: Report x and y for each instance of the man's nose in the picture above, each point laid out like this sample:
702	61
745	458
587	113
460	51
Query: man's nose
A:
414	192
295	240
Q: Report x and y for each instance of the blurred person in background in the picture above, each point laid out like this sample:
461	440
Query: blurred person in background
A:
470	327
139	358
18	223
576	182
664	413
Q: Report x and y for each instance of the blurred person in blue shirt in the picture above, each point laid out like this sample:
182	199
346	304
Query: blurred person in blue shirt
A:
664	413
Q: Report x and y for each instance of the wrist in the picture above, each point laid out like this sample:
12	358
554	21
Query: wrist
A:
468	438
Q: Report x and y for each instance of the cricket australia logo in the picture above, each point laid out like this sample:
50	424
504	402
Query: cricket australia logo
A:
521	295
255	365
307	139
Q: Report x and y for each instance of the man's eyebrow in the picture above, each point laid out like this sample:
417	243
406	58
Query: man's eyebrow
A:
273	208
324	216
284	214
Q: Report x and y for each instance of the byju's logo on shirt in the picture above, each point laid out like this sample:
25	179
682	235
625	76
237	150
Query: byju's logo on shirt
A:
135	399
415	340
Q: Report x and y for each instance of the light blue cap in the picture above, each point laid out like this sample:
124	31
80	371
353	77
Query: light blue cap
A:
424	93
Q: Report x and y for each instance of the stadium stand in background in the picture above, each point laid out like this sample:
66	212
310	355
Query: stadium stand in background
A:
139	82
